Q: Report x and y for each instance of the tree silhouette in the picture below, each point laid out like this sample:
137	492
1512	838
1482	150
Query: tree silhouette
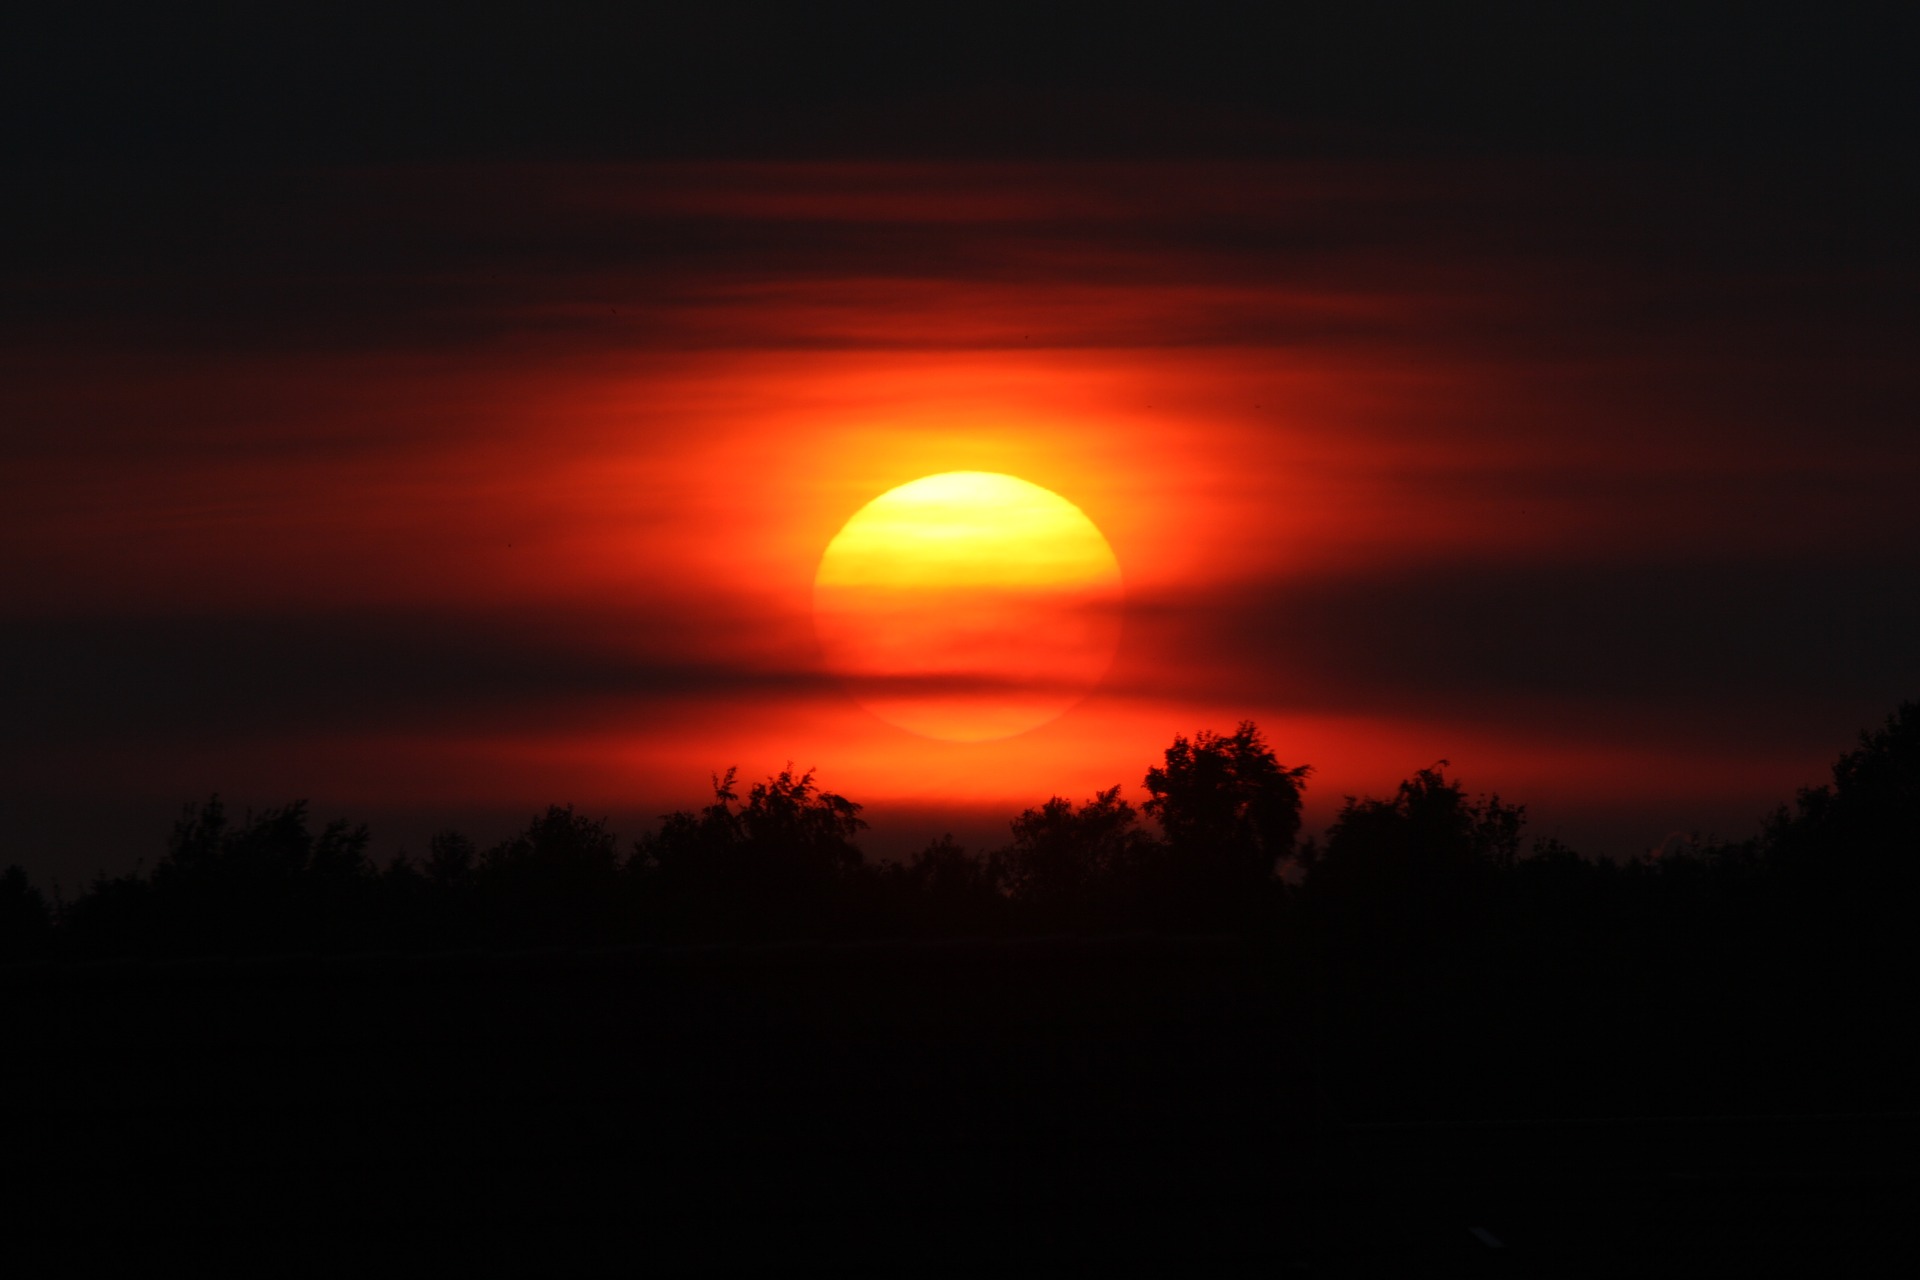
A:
560	851
25	920
776	857
1230	812
1836	873
1422	852
1858	837
265	883
557	881
450	861
693	851
791	819
1072	862
958	888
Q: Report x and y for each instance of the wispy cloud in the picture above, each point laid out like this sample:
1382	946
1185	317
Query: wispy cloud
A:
529	456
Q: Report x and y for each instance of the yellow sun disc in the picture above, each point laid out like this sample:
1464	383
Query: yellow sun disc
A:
968	605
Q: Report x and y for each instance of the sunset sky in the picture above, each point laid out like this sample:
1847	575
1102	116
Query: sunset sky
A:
438	428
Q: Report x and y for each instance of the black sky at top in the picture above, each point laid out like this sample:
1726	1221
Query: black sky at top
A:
236	86
144	133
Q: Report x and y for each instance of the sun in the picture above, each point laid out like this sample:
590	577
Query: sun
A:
968	605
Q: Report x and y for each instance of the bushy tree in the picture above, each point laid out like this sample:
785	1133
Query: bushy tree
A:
272	848
25	920
116	916
451	859
946	872
790	818
559	851
1069	859
556	882
789	842
1228	807
692	848
265	883
1429	843
943	888
1855	842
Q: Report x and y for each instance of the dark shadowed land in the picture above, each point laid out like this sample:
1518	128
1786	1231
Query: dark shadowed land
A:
1120	1036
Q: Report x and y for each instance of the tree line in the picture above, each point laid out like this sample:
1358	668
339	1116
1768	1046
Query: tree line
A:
1216	847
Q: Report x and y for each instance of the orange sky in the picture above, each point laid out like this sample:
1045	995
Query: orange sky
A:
470	489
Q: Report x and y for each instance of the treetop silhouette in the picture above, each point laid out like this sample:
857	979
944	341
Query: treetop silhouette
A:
1430	843
1224	800
790	837
1858	837
782	859
1062	856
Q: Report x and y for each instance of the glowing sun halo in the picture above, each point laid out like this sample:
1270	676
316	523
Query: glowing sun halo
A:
968	605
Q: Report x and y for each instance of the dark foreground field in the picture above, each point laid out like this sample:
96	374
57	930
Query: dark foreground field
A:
1041	1105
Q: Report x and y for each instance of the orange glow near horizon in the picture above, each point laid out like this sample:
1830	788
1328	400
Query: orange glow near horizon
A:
541	520
968	606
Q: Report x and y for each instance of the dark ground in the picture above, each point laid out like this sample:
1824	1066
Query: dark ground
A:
1042	1105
